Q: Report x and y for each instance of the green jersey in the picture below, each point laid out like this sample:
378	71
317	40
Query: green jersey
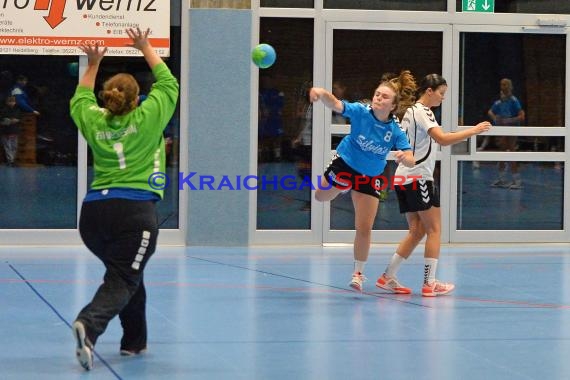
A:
127	149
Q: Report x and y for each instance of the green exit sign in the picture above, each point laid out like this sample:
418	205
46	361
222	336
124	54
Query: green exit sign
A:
479	6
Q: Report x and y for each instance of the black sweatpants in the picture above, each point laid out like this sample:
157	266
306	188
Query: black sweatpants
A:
123	234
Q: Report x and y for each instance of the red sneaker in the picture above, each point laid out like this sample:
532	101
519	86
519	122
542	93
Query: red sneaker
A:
392	285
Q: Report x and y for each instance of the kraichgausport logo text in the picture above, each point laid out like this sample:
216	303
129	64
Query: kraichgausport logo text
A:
201	182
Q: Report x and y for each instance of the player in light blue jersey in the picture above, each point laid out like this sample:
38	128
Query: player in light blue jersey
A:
361	156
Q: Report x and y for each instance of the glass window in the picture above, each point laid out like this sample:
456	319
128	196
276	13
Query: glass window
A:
488	203
287	3
535	76
361	57
397	5
38	162
512	81
522	143
285	126
527	6
168	208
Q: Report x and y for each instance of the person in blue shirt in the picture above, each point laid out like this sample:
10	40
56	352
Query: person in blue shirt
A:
22	98
271	103
507	111
360	157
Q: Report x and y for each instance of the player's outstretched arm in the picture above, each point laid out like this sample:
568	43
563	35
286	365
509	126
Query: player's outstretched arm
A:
450	138
328	99
141	42
94	56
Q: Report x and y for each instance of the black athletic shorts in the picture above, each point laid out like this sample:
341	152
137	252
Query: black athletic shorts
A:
419	195
343	177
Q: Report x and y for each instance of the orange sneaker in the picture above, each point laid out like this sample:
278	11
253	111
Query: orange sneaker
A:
392	285
437	288
357	280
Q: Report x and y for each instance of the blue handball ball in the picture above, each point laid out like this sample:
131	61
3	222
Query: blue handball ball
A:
263	56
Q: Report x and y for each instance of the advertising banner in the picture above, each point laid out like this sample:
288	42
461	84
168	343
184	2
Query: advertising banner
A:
57	27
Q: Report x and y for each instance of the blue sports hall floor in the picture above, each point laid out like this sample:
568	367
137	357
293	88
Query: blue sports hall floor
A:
287	313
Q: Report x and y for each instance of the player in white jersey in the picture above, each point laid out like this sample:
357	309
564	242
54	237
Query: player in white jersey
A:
418	199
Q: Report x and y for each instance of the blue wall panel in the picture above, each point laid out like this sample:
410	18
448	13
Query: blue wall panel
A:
219	124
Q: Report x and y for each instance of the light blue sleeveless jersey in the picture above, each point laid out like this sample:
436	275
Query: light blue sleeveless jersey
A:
370	140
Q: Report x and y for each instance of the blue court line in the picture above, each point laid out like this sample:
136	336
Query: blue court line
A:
60	316
387	296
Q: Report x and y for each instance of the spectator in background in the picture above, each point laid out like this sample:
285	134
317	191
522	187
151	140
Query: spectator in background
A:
22	98
304	140
271	102
10	116
507	111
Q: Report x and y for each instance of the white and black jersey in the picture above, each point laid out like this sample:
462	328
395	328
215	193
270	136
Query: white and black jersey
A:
417	121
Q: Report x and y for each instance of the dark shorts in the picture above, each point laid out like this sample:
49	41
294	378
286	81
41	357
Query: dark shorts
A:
343	177
420	195
115	230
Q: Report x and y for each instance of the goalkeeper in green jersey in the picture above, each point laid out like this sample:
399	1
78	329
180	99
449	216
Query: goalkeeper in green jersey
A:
118	221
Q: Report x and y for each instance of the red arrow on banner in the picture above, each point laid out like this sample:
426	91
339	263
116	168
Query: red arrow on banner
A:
42	5
55	16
